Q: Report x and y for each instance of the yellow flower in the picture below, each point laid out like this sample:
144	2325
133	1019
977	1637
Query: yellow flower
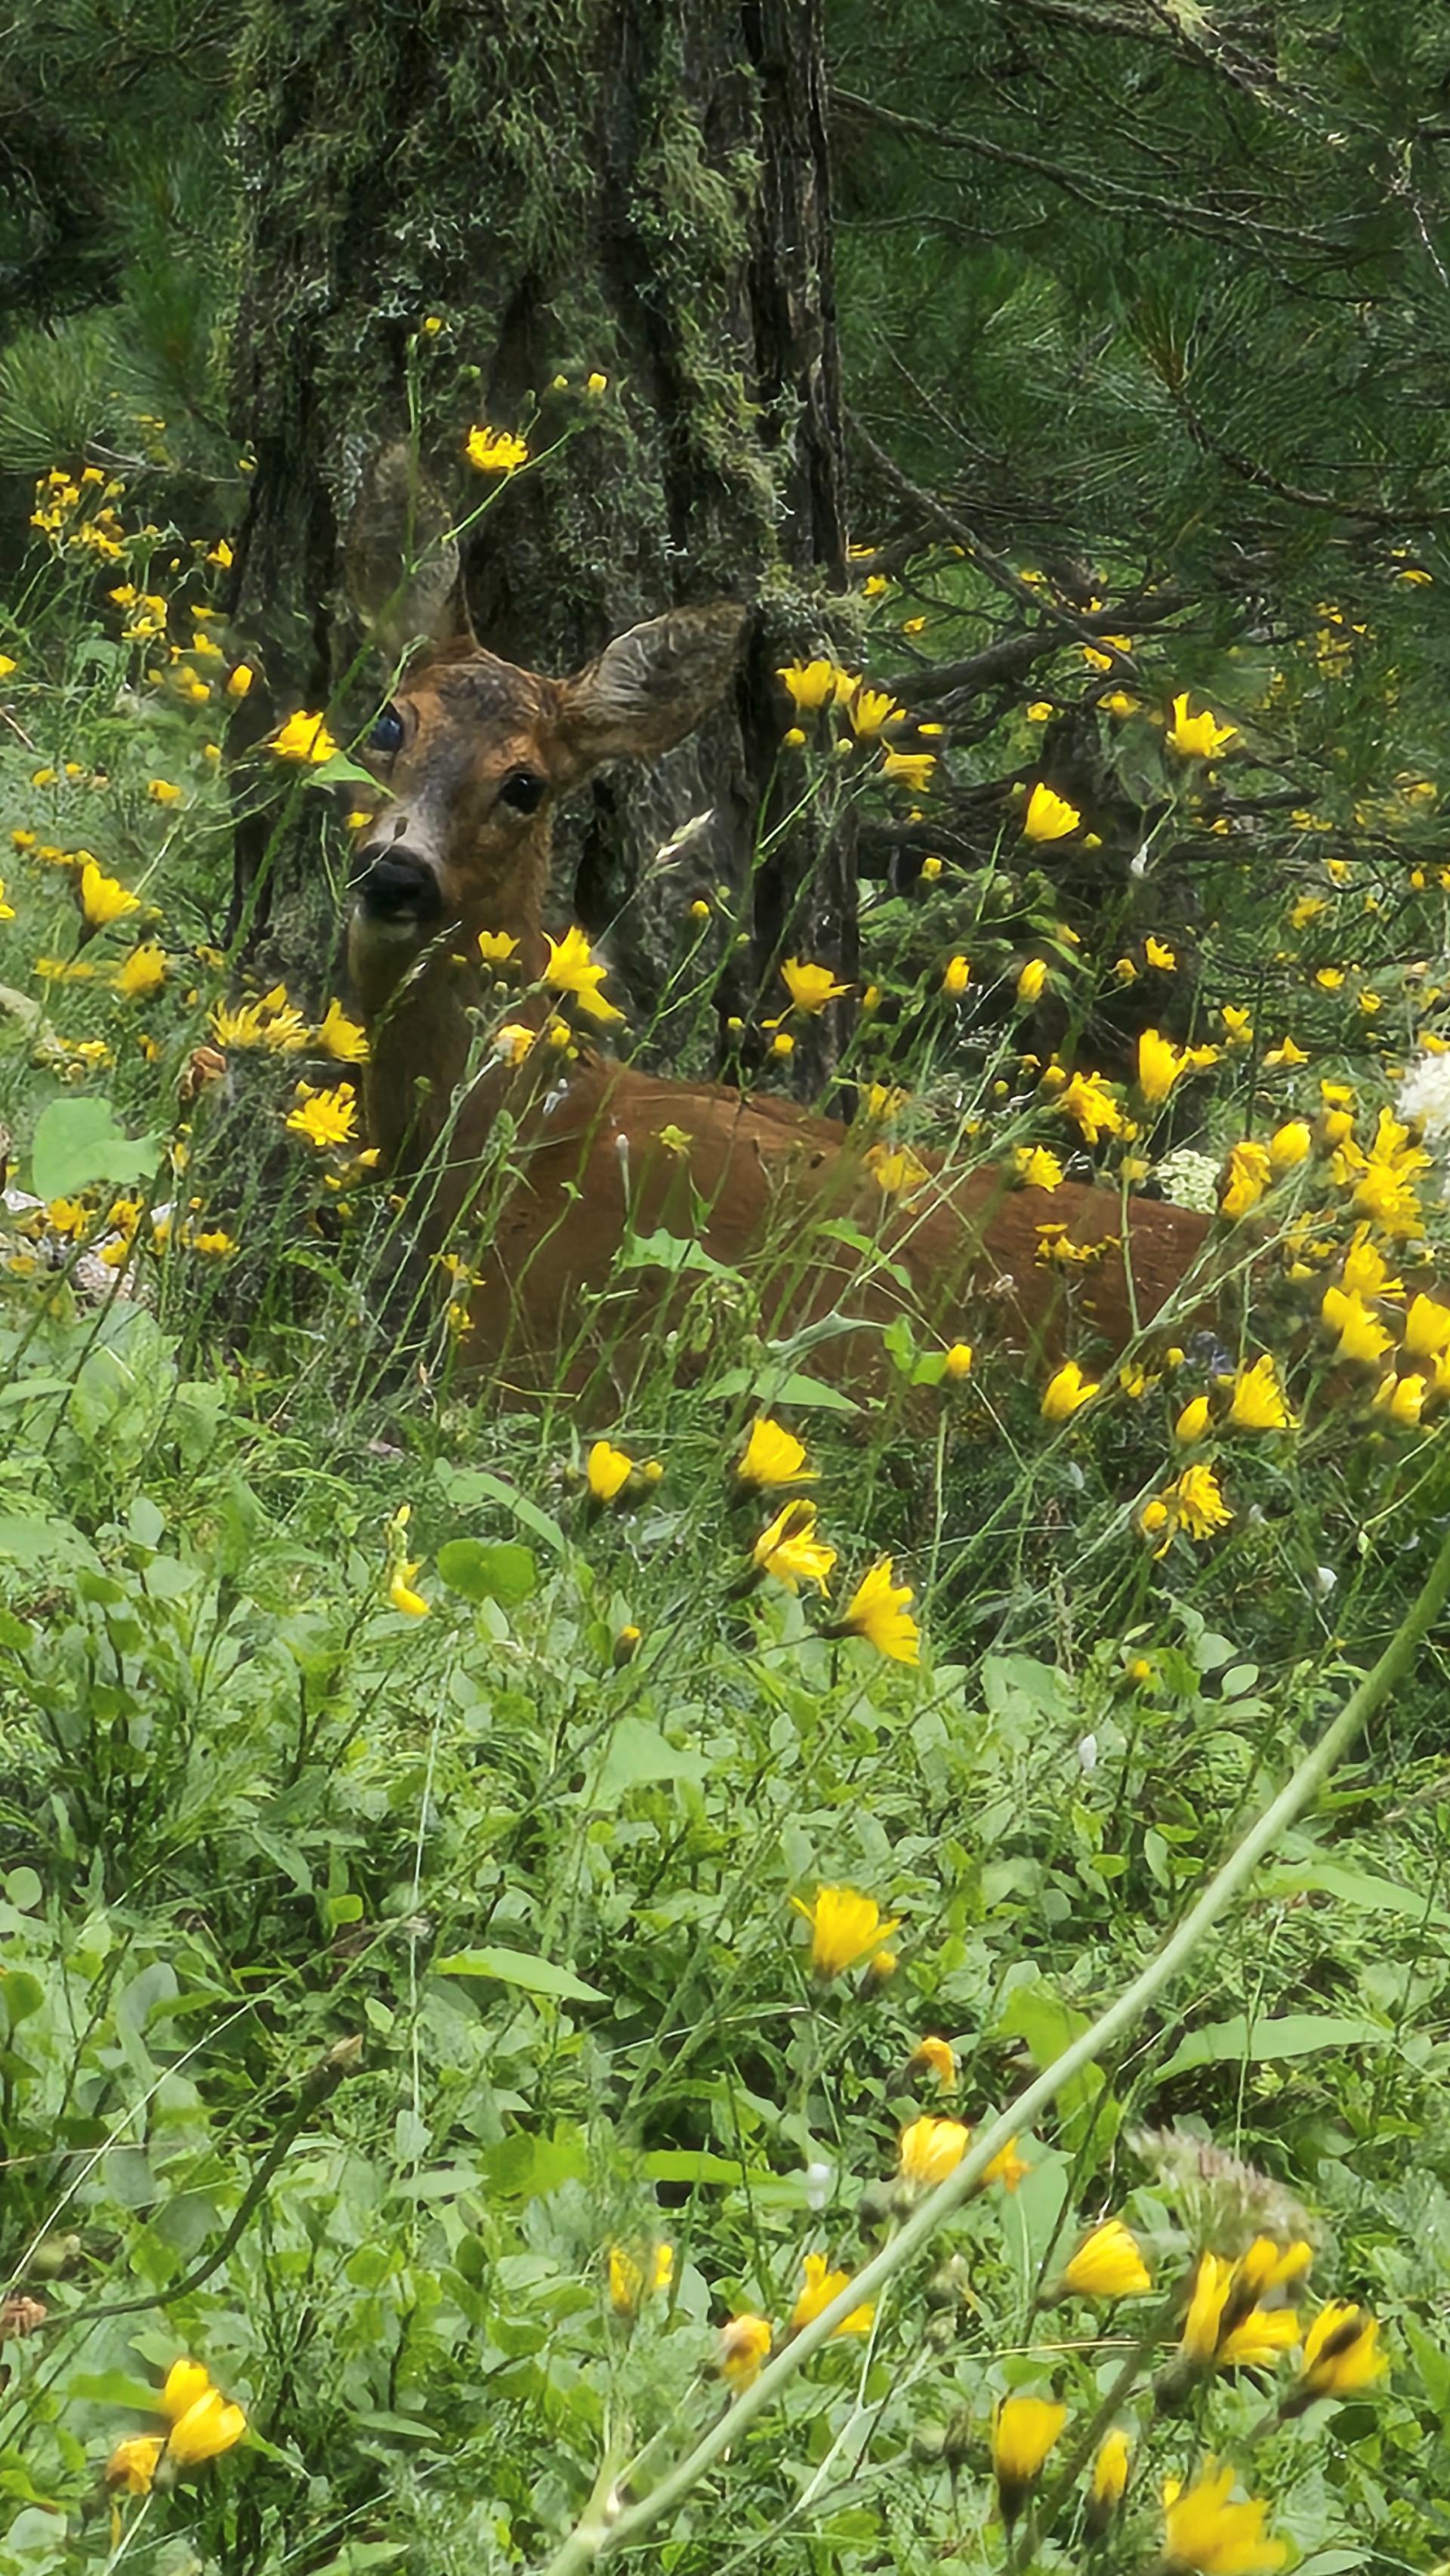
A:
1341	2355
1109	2478
871	711
1197	737
132	2464
1207	2535
572	970
811	987
957	1363
1030	981
1238	1026
1258	2340
494	451
1201	1506
744	2343
514	1041
496	947
1361	1334
104	899
207	2429
1087	1100
143	973
303	737
596	384
7	910
1427	1329
790	1550
928	2150
221	555
1108	2264
773	1456
607	1471
1258	1399
1289	1144
630	2280
1403	1399
812	685
1192	1421
1366	1272
877	1611
1285	1057
341	1037
895	1169
325	1118
1246	1179
822	2286
1160	1063
913	769
8	664
1049	817
401	1592
216	1243
1067	1392
782	1043
956	975
1212	2281
845	1927
940	2056
1158	953
239	681
1023	2432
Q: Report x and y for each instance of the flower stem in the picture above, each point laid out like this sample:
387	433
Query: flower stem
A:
592	2537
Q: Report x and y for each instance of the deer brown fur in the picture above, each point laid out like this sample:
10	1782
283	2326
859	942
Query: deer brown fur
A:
541	1172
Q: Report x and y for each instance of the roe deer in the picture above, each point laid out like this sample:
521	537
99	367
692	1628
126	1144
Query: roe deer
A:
544	1164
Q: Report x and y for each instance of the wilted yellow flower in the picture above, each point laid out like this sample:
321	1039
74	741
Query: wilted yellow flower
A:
928	2150
1023	2432
132	2464
790	1550
845	1927
1258	1399
1049	817
1197	737
773	1456
302	738
631	2280
877	1611
494	451
896	1169
743	2345
607	1471
913	769
571	969
1108	2264
401	1590
1067	1392
1037	1168
1007	2167
811	987
1207	2535
822	2286
104	899
325	1118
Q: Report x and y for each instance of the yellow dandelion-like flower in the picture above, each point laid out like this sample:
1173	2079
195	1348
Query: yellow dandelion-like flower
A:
495	451
571	969
821	2287
845	1927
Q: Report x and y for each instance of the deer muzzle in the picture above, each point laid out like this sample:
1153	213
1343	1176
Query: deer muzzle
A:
397	889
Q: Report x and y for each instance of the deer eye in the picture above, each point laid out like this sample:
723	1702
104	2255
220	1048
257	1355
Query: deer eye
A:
387	733
523	791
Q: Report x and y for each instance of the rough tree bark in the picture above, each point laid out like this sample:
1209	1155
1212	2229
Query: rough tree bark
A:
634	186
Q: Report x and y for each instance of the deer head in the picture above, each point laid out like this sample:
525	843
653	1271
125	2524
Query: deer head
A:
472	755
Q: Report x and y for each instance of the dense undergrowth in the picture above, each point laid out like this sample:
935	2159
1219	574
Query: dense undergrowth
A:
406	1837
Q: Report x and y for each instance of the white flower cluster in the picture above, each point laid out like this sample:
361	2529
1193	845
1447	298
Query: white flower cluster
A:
1189	1179
1424	1095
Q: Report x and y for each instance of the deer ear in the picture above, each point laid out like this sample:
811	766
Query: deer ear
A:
400	568
649	688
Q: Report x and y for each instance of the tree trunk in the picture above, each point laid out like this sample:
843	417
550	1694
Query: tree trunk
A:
637	187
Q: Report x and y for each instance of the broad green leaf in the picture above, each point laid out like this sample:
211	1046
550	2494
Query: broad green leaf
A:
1233	2042
519	1968
691	2164
488	1570
767	1385
672	1252
1047	2025
637	1753
1358	1888
467	1487
77	1142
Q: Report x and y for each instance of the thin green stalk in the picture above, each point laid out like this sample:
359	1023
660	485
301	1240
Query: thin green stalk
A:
605	2528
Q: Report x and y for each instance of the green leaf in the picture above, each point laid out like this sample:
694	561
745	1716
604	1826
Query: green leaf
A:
481	1570
767	1385
23	1888
467	1487
519	1968
638	1753
691	2164
1041	2019
672	1252
1292	2035
77	1142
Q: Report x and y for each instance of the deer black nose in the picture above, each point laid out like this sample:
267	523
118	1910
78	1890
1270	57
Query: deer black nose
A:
396	885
